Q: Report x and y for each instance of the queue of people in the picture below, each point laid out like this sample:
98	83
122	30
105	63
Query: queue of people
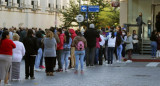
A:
59	45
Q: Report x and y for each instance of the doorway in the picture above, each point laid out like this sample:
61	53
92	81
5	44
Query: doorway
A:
155	10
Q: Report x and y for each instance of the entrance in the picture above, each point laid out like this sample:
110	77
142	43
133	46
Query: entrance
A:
155	10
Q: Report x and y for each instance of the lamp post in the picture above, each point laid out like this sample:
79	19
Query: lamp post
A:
56	15
79	12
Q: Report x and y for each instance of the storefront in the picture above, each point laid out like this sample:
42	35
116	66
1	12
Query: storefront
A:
130	10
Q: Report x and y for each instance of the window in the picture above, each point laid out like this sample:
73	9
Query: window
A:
7	2
49	5
18	2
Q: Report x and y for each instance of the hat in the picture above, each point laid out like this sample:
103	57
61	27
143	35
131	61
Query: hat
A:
91	26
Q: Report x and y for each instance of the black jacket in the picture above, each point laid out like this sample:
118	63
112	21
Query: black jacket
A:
30	44
91	35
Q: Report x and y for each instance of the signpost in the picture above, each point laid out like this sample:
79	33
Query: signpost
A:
80	18
90	8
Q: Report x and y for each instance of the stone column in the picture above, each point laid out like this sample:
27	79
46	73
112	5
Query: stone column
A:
123	11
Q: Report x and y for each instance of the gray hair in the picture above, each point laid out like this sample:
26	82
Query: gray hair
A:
91	26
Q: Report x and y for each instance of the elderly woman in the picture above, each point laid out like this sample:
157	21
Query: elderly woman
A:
6	46
50	46
18	53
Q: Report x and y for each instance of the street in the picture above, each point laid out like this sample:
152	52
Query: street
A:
119	74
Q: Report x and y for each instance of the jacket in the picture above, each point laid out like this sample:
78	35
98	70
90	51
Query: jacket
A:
97	42
129	44
91	35
158	43
60	44
50	46
18	52
112	42
77	39
73	34
6	47
30	44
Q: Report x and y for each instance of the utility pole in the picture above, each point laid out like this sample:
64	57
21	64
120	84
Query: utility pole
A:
56	15
79	12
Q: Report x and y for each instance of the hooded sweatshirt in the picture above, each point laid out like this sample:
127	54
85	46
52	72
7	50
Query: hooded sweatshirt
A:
60	44
73	34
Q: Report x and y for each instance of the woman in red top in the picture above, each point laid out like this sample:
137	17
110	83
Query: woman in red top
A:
6	46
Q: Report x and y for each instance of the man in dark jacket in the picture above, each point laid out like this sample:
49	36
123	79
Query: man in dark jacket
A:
31	47
91	34
140	22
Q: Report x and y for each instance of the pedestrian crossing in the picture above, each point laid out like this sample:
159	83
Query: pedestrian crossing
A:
152	64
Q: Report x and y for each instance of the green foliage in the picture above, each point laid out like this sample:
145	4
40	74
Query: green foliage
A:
106	17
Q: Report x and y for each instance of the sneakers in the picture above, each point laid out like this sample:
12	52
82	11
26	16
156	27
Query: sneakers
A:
129	61
42	67
37	70
7	84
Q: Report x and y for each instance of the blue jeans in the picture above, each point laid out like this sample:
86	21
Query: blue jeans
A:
119	52
79	54
38	58
96	56
110	55
64	58
154	48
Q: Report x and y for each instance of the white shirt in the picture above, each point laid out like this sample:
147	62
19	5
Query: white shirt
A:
103	40
111	42
18	52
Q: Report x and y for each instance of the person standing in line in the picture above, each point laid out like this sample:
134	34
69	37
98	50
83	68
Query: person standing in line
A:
135	42
124	37
102	48
119	47
111	47
30	43
154	43
129	46
73	61
50	46
97	50
66	50
158	46
91	34
6	47
60	49
39	55
18	54
80	44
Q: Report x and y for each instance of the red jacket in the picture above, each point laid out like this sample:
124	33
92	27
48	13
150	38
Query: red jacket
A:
6	47
73	34
60	44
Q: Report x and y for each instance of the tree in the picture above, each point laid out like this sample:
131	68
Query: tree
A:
106	17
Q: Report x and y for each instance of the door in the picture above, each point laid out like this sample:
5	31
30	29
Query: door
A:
155	11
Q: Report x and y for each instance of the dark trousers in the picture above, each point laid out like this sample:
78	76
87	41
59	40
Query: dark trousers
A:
101	52
135	48
106	53
110	54
29	65
59	54
90	56
49	63
129	54
139	31
124	50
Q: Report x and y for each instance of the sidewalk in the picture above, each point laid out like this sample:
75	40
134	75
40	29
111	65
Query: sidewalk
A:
144	58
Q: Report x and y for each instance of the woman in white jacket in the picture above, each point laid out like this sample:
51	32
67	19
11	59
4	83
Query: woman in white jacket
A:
18	54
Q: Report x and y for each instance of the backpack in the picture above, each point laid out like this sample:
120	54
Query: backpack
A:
80	46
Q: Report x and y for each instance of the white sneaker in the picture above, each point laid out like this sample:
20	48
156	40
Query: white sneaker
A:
7	84
129	61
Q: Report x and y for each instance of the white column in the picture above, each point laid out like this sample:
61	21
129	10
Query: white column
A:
51	3
46	3
15	1
123	11
39	2
9	2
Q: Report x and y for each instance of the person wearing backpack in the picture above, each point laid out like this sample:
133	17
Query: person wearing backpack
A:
80	44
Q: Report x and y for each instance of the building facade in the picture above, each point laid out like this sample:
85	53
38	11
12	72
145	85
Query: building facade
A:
31	13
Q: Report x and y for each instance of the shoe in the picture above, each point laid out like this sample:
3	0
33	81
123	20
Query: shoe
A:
26	77
47	74
42	67
76	72
7	84
51	74
32	77
129	61
82	72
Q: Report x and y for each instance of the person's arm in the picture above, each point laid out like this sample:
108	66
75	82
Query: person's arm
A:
13	44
